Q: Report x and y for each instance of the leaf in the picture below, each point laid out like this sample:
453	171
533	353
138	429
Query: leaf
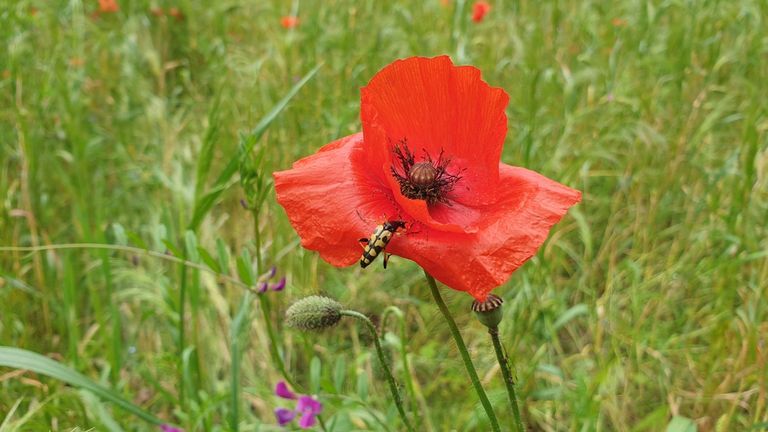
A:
172	249
190	245
22	359
236	327
95	406
118	235
205	157
223	254
681	424
339	374
9	415
204	205
209	260
245	268
573	312
315	369
362	386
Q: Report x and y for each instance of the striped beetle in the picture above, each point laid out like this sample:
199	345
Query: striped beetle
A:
374	246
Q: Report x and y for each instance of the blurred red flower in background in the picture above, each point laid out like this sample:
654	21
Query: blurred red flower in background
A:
429	155
108	6
289	21
479	10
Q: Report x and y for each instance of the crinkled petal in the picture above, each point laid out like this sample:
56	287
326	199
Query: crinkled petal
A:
511	231
436	107
332	200
284	416
282	390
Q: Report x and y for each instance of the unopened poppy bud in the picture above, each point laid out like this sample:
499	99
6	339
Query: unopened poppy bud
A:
489	312
313	313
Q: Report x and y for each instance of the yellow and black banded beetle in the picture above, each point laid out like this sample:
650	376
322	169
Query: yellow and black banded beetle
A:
374	246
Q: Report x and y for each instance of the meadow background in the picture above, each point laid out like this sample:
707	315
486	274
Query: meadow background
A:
645	310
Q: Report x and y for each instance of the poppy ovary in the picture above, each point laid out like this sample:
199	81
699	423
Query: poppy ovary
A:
428	180
422	174
489	312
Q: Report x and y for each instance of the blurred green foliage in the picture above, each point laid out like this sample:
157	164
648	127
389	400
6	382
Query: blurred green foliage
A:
645	309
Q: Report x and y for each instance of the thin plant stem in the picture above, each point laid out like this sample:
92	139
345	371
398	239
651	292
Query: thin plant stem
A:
182	336
266	305
463	351
257	238
508	381
397	313
266	308
128	249
236	327
383	360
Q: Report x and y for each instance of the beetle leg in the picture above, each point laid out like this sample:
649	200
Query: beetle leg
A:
386	259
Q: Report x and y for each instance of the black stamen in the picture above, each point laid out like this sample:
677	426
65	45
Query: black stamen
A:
428	180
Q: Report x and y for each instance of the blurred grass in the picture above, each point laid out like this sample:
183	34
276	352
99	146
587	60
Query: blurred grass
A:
648	302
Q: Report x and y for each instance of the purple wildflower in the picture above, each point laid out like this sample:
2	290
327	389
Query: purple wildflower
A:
261	287
169	428
284	416
279	286
282	390
309	409
306	406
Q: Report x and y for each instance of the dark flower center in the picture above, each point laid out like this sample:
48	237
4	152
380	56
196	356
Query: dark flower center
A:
422	174
427	180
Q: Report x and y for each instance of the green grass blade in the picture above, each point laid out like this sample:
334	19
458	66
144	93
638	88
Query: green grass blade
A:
23	359
235	330
204	205
205	157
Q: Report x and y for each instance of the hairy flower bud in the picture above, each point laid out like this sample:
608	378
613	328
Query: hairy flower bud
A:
313	313
489	312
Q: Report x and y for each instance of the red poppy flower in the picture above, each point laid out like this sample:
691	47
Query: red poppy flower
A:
479	10
176	13
428	155
108	6
289	21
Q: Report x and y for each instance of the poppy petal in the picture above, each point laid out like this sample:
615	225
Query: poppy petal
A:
332	201
437	107
511	232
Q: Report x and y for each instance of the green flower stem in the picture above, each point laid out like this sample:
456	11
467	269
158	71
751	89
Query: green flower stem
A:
504	363
464	354
380	352
266	312
395	311
182	332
